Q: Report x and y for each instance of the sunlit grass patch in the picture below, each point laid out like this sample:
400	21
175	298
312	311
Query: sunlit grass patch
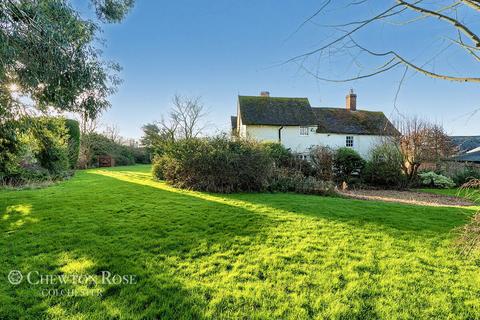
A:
199	255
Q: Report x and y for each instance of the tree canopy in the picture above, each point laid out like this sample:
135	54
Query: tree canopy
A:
48	53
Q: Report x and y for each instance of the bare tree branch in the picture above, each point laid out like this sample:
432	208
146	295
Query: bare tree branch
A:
448	13
472	3
463	28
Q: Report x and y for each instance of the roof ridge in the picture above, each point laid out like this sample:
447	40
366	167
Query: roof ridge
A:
343	108
270	97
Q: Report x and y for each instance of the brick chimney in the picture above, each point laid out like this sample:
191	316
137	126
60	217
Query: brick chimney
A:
265	94
351	101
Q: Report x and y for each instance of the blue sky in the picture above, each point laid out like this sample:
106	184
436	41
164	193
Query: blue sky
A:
221	48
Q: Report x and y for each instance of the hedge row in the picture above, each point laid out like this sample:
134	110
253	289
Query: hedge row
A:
221	164
226	165
38	148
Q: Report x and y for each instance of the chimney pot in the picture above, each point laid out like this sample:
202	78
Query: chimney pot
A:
265	94
351	101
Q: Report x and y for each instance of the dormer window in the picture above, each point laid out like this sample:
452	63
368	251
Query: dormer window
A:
304	131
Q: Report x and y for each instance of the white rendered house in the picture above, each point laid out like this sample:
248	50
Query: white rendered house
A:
299	127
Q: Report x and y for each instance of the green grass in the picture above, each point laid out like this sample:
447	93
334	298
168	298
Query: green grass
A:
253	256
473	195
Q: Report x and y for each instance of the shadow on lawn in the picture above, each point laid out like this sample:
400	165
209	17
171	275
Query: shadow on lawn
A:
416	220
124	228
421	221
133	225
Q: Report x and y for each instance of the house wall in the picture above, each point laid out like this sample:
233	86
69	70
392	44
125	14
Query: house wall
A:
292	139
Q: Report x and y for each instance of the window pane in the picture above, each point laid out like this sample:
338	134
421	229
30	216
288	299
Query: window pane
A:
304	131
349	141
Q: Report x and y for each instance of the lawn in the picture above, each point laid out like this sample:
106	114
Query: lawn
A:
197	255
473	194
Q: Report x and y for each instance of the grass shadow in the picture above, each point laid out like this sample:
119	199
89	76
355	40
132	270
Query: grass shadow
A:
124	228
216	256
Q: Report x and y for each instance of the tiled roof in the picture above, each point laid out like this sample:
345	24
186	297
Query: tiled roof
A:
340	120
276	111
465	143
468	157
260	110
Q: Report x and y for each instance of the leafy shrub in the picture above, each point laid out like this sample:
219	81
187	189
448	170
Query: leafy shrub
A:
466	175
123	155
33	150
73	131
285	180
311	185
291	180
10	147
140	155
50	138
385	167
158	167
347	163
297	162
217	165
431	179
281	156
322	162
100	145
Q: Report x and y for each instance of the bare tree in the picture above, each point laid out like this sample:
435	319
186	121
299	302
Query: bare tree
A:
184	121
421	142
168	128
87	124
441	146
455	19
185	117
112	132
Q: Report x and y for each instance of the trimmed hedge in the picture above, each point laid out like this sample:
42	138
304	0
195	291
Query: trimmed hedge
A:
73	130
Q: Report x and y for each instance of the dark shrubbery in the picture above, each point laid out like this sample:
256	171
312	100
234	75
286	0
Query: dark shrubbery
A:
466	175
99	145
10	148
291	180
73	130
36	150
285	180
50	139
280	155
321	159
140	155
297	162
230	165
216	165
384	168
224	165
348	165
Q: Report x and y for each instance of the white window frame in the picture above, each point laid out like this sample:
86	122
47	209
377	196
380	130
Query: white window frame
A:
304	131
349	141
